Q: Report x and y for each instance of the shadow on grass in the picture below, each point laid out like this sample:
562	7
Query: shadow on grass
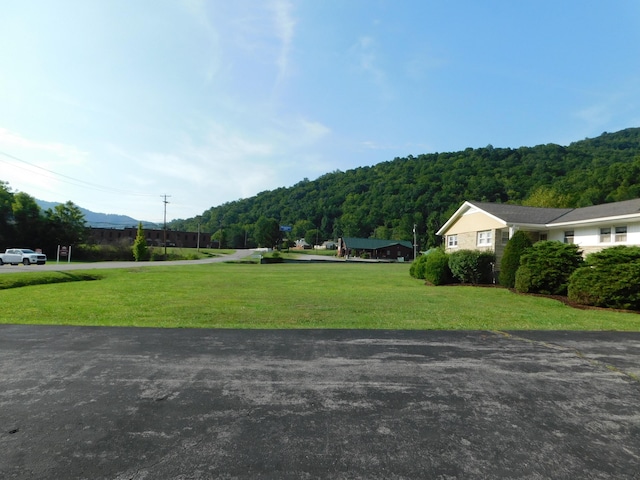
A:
25	280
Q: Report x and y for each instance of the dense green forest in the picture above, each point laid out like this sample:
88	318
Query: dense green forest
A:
386	200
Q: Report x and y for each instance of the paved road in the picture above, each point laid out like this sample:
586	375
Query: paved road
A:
128	403
62	266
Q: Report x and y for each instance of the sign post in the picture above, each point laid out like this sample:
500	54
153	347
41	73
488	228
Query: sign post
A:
65	252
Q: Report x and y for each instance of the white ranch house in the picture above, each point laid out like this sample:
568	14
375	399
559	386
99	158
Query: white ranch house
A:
489	226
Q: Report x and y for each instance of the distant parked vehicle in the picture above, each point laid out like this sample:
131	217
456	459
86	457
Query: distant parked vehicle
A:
26	256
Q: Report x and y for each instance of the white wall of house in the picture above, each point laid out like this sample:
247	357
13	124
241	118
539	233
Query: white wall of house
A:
588	237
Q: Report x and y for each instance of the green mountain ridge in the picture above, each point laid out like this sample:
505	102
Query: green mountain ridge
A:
101	220
386	200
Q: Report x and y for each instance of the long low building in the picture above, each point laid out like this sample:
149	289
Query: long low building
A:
155	237
375	248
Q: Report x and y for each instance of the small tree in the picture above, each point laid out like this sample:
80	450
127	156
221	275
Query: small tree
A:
267	232
140	249
546	267
510	262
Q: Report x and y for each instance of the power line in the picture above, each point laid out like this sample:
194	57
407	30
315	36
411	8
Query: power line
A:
165	223
71	180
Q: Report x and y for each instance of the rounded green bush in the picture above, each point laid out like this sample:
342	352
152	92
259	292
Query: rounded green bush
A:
546	267
436	268
609	279
417	267
472	266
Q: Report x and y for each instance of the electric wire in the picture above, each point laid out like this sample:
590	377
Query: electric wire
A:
70	180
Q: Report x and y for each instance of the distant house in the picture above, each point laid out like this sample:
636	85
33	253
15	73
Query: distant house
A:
489	226
375	248
329	245
302	244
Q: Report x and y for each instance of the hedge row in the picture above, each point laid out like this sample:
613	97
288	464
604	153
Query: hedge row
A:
609	278
464	266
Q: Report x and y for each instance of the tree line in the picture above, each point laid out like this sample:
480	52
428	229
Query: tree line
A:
382	201
24	224
388	199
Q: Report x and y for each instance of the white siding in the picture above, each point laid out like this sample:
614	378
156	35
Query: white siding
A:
590	236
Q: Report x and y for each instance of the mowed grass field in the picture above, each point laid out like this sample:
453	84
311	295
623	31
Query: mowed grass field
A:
314	295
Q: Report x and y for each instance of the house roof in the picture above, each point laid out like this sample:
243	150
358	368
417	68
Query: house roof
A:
373	243
520	214
547	217
604	211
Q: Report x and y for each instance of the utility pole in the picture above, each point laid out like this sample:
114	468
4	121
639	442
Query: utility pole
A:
415	244
165	224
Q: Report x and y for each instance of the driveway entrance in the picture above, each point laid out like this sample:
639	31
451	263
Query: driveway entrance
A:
130	403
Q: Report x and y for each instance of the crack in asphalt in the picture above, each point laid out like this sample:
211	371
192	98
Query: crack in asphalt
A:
597	363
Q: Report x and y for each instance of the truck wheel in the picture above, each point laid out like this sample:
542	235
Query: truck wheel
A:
26	261
1	262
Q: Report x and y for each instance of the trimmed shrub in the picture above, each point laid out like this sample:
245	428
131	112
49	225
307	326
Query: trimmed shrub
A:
609	279
510	262
472	266
436	268
546	267
417	267
613	256
274	257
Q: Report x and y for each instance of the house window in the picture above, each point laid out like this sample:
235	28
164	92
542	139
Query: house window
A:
568	236
505	237
484	238
543	237
452	241
621	234
605	235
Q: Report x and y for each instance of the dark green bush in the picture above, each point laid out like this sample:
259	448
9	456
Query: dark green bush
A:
102	253
273	257
436	268
613	256
472	266
546	267
417	267
610	278
510	262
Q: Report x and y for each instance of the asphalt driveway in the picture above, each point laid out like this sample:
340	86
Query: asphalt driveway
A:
129	403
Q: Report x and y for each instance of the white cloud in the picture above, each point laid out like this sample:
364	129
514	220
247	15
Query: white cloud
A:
284	30
61	152
366	54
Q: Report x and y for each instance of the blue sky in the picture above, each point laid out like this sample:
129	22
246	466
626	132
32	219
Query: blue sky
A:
113	103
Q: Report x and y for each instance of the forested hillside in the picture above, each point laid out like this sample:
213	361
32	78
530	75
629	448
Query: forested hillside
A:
386	200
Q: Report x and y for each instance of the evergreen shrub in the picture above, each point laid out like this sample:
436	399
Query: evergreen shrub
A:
436	268
472	266
510	262
610	278
417	267
140	249
546	267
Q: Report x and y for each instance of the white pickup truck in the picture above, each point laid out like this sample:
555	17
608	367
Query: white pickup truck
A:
14	256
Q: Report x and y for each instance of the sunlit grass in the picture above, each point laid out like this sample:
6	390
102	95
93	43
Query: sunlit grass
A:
335	295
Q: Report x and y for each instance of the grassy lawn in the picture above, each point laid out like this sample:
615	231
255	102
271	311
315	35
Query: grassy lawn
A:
343	295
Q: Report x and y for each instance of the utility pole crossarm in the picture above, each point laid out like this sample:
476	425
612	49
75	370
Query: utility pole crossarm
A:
165	196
